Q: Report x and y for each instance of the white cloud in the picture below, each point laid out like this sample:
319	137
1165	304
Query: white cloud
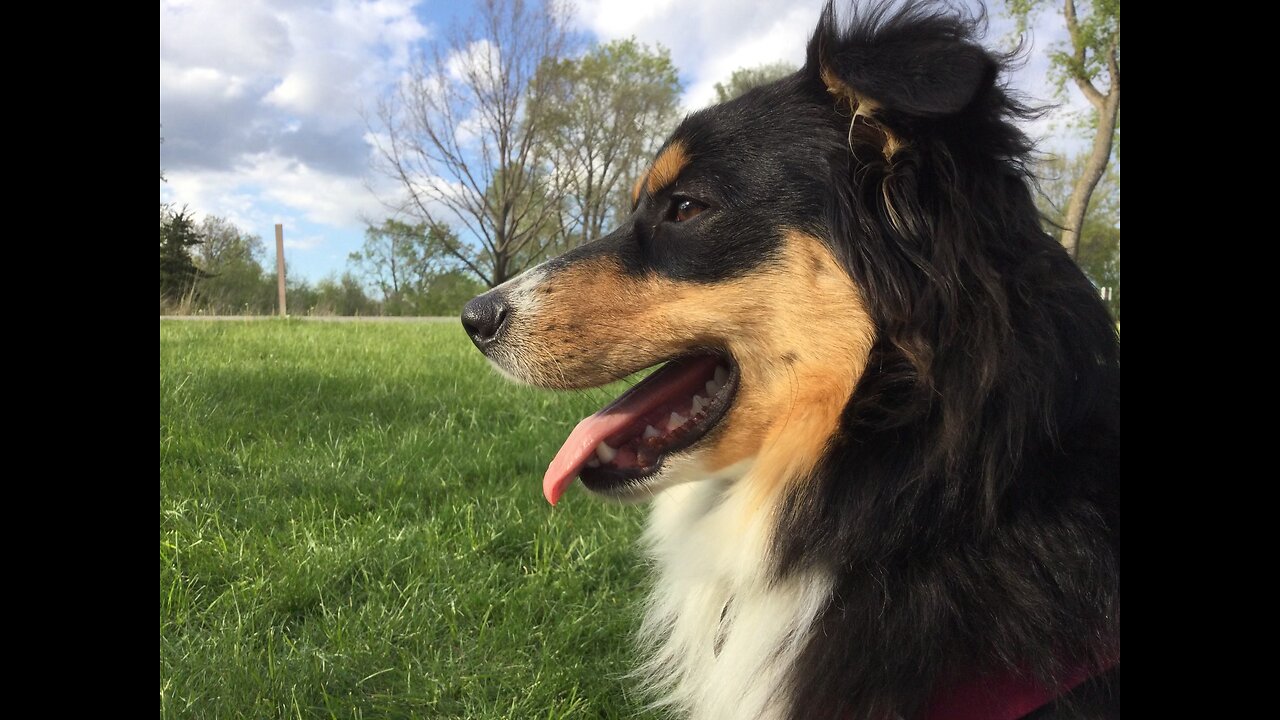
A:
319	60
261	102
246	38
337	60
479	60
243	194
253	76
783	38
710	39
200	82
310	242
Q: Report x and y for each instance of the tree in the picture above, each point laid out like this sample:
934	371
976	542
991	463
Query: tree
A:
463	129
606	113
302	294
544	200
448	292
743	79
222	243
178	274
233	278
403	260
1099	246
1090	56
342	296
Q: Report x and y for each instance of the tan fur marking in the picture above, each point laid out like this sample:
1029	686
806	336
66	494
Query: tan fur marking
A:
836	86
891	145
858	105
797	408
666	168
855	103
798	328
635	191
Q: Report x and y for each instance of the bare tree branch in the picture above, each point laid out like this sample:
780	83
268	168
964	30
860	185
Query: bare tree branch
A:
460	136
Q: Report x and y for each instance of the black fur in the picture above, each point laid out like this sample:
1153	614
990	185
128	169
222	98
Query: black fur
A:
760	165
970	505
970	502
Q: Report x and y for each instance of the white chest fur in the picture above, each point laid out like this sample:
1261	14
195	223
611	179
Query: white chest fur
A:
720	638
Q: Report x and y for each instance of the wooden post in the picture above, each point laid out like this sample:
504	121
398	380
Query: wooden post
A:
280	266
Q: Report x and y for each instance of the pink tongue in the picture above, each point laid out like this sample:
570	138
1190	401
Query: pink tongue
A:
676	379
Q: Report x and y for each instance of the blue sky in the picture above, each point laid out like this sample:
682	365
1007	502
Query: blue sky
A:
262	101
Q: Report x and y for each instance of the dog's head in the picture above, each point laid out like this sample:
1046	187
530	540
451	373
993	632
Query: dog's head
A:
776	242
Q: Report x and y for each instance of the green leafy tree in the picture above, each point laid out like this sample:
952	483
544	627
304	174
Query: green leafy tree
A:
403	260
178	273
234	280
743	79
303	296
1089	60
222	243
448	292
343	296
1099	254
605	113
1100	259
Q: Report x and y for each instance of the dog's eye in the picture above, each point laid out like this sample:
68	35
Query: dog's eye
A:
685	209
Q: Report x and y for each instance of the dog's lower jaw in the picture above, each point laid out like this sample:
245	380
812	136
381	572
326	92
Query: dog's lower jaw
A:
678	468
720	636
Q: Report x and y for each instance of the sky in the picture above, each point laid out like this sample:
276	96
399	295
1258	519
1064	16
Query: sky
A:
263	102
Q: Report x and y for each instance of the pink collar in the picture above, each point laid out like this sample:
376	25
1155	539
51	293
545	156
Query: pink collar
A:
1004	698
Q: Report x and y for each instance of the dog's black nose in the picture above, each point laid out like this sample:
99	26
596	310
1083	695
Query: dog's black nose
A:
484	317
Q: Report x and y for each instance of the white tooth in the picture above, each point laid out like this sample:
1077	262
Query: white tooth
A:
593	463
697	405
605	453
722	375
712	388
651	432
675	421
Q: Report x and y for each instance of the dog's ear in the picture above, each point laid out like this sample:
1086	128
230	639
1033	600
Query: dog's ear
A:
897	65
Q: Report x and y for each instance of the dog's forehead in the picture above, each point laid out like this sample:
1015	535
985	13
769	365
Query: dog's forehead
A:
766	135
721	132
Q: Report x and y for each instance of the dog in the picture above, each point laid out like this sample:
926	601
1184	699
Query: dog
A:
883	444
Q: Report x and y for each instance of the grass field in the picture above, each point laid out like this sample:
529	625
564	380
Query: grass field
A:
352	526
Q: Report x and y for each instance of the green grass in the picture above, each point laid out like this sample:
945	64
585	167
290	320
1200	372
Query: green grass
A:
352	526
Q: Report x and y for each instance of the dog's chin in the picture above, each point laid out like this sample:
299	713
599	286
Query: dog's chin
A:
512	372
627	487
675	469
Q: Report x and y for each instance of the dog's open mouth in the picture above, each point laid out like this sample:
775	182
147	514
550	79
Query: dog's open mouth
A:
627	440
